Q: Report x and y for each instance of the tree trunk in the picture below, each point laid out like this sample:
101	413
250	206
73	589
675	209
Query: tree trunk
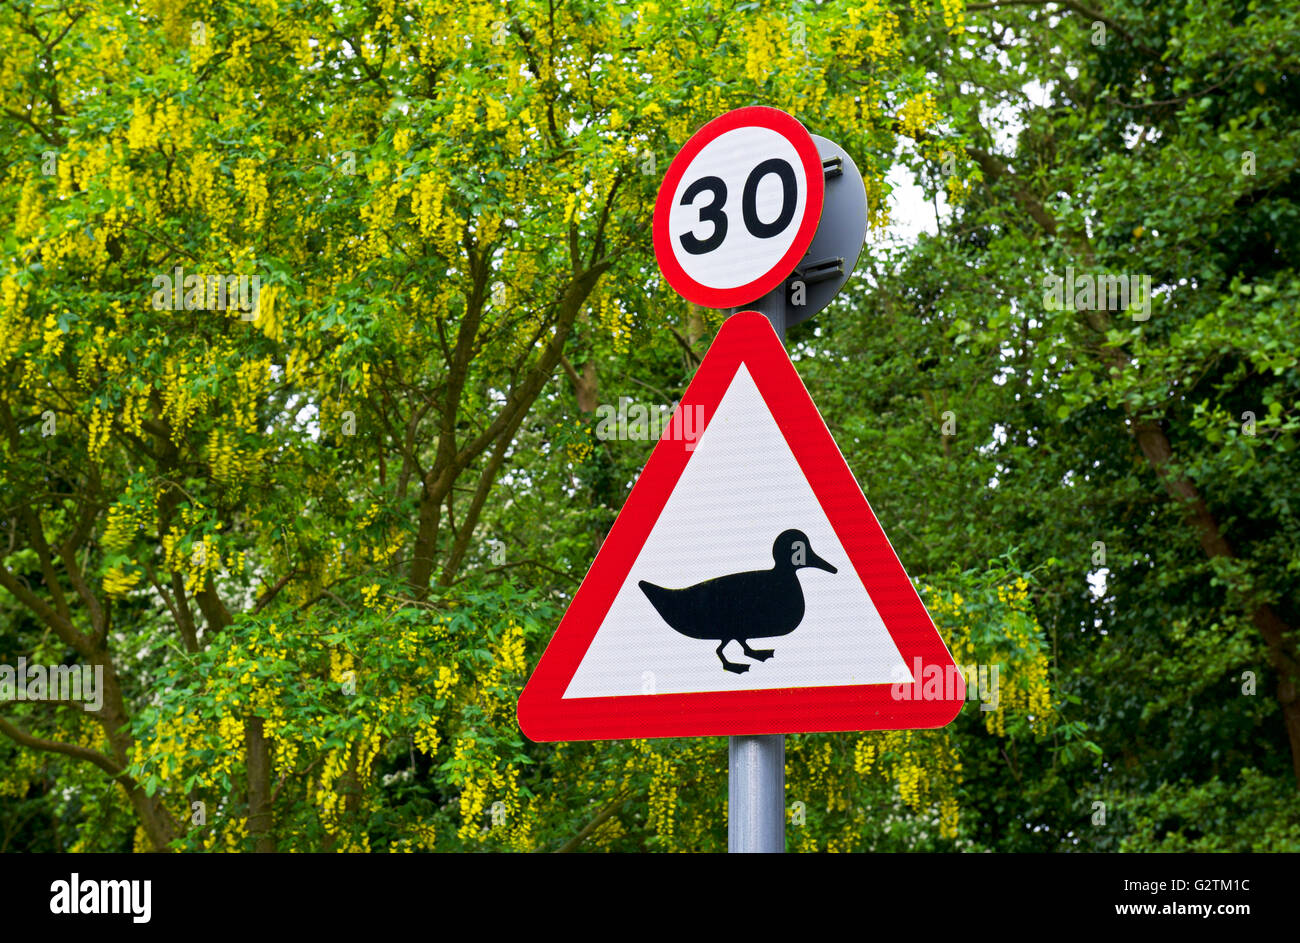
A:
258	761
1281	647
1155	446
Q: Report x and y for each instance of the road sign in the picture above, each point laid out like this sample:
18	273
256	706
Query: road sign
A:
738	207
746	587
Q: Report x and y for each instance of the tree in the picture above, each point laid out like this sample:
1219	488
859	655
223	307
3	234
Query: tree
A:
251	503
1144	442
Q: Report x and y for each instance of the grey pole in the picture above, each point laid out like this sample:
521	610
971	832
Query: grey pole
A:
756	794
756	765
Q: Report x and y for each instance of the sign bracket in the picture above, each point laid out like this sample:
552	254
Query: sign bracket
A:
819	271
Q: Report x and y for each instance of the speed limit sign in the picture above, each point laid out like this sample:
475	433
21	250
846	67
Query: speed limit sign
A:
738	207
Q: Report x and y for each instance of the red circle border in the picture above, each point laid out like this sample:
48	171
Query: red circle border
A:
750	116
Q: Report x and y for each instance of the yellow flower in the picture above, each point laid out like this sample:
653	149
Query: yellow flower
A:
426	738
52	337
101	423
30	210
118	583
918	114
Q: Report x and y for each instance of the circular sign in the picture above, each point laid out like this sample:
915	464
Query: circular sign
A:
738	207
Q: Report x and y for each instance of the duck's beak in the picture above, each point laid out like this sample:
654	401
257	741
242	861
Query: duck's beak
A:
814	560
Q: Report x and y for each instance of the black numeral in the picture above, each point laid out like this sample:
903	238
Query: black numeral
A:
748	202
712	211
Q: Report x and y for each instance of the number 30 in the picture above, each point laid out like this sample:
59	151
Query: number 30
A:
712	212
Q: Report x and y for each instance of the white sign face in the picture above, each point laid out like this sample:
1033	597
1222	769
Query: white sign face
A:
738	207
741	488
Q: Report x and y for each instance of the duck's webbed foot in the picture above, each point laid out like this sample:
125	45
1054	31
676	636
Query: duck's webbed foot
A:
762	654
730	665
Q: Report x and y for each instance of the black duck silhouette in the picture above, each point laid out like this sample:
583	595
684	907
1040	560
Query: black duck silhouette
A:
742	606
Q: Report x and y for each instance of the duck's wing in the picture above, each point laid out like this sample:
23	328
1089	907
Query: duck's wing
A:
725	607
755	604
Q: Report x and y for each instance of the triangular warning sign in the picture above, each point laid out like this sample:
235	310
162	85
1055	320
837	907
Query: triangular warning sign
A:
746	587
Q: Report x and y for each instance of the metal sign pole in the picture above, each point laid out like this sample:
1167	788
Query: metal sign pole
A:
756	794
756	765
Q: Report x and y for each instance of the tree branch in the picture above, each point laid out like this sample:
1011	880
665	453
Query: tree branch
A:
66	749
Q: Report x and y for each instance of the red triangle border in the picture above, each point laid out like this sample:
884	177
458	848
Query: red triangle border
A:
545	715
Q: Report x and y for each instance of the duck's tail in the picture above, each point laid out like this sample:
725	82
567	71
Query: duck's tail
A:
656	594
